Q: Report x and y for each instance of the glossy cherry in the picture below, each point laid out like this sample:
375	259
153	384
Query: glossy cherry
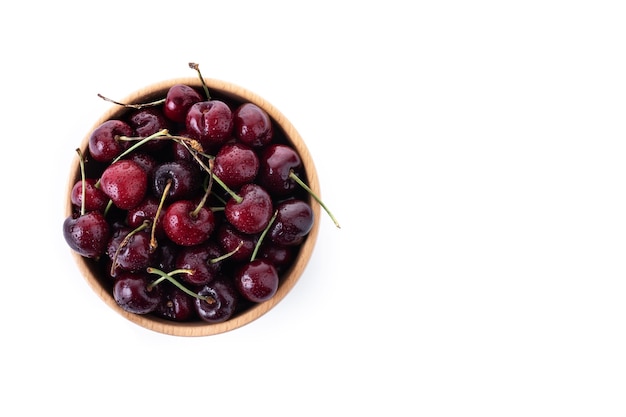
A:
253	213
104	145
236	164
252	125
125	182
87	234
257	280
186	224
179	99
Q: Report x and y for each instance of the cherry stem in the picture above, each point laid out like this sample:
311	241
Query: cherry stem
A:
260	241
226	255
194	153
169	277
133	106
124	242
83	178
153	241
196	67
194	213
162	132
294	177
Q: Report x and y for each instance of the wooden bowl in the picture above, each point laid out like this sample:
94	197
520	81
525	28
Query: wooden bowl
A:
101	284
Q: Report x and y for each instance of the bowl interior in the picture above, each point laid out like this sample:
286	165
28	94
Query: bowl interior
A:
284	131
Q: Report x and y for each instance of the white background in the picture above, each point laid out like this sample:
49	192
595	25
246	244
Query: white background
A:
473	153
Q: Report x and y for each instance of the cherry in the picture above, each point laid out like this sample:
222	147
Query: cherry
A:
252	125
129	249
236	164
257	280
146	210
125	182
204	262
279	256
176	305
147	122
95	199
186	223
133	293
179	99
232	240
223	300
183	175
87	233
210	122
103	143
293	222
252	212
277	162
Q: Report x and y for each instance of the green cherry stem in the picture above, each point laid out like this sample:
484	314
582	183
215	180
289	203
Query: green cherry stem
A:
258	243
294	177
162	132
194	153
169	277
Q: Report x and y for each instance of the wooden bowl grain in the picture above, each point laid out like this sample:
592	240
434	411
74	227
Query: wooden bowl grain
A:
100	283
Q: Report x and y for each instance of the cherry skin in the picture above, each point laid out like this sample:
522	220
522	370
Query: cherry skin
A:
135	254
210	122
178	100
252	125
132	293
222	304
293	222
257	281
103	143
146	210
183	175
280	256
253	213
147	122
186	225
176	305
87	234
236	164
198	258
125	182
276	163
95	199
231	240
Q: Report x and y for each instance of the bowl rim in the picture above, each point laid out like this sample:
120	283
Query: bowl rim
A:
289	278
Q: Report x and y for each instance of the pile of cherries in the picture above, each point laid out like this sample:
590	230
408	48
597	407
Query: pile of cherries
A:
191	205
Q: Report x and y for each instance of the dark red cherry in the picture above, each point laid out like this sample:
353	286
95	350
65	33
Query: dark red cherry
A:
95	199
146	210
280	256
103	143
185	178
130	251
202	260
147	122
236	164
276	163
222	303
132	293
87	234
186	225
231	239
210	122
257	281
125	182
178	100
252	125
175	304
253	213
293	222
